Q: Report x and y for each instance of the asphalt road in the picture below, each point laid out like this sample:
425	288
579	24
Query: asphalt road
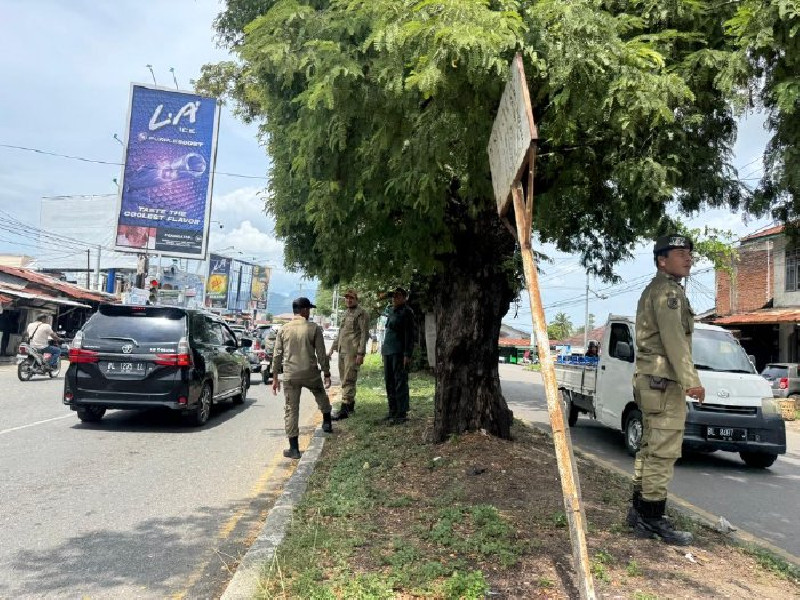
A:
761	501
138	505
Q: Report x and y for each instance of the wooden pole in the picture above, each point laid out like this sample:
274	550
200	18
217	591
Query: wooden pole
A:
563	448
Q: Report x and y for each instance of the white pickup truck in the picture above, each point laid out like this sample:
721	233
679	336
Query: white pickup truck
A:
738	415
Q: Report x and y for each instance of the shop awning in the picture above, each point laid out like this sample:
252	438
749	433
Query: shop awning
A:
38	298
766	316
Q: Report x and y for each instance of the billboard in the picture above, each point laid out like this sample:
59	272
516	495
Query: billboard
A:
218	278
167	174
260	287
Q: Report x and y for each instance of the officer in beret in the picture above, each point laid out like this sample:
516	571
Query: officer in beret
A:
664	376
351	344
397	349
300	351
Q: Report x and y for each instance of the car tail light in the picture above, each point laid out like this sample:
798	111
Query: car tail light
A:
68	396
182	359
784	383
79	355
183	400
23	349
77	341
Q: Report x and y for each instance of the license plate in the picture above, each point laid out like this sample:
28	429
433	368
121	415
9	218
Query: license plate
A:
726	434
124	369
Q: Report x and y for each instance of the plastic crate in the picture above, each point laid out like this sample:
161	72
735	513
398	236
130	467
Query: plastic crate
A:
788	408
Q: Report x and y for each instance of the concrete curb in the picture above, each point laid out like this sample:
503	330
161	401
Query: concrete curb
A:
708	519
245	582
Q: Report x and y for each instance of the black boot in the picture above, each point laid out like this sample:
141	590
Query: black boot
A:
345	410
633	509
326	423
294	449
652	523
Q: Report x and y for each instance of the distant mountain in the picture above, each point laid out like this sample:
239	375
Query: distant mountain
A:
279	303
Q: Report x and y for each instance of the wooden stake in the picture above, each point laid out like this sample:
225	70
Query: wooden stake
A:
563	447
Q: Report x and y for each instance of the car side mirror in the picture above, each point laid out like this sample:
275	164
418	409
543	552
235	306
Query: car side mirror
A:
623	351
245	343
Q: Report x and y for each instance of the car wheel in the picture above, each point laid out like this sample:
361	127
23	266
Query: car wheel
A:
634	428
91	414
202	409
24	372
758	460
244	384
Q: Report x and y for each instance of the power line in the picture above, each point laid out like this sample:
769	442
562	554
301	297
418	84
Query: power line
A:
111	163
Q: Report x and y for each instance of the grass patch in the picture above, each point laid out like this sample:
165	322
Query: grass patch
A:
773	563
388	514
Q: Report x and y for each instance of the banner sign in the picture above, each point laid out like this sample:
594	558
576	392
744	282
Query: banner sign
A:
170	151
260	287
218	278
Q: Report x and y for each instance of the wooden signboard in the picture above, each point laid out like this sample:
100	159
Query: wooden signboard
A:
513	133
512	155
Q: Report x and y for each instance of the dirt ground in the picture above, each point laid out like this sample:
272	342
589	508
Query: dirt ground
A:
520	479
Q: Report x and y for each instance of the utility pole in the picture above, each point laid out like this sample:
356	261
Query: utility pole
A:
586	319
88	267
97	269
335	306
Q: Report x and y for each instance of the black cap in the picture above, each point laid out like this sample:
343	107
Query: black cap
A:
671	241
302	302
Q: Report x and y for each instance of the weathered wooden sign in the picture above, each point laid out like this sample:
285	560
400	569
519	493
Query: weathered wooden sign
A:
512	134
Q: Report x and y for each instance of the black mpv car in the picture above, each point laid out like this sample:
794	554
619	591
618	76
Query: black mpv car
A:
138	357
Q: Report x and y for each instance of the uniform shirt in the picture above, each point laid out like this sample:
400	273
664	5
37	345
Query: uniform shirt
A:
354	331
300	350
40	334
399	337
664	326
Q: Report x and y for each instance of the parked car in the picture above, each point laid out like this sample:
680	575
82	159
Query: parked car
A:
138	357
784	379
330	333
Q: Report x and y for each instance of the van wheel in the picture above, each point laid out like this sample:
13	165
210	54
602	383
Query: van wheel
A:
91	414
244	383
570	409
758	460
202	410
634	428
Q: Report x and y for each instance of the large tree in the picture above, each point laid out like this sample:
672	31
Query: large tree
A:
377	113
767	33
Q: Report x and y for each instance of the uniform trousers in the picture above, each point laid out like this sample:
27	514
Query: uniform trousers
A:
348	375
395	376
291	392
663	418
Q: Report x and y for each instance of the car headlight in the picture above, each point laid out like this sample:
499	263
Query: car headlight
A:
770	406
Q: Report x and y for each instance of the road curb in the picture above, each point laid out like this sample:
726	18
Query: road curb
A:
245	584
708	519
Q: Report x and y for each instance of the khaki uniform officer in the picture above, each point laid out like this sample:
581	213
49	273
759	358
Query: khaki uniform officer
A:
300	351
351	344
665	375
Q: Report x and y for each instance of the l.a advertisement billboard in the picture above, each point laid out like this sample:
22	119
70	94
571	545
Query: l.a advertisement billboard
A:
170	152
218	278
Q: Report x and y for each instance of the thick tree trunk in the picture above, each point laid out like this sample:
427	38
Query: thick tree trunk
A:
472	298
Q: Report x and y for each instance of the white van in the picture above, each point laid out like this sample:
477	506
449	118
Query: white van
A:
739	413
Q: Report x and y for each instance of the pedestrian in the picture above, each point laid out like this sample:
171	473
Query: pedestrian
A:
300	352
664	376
351	344
397	348
39	335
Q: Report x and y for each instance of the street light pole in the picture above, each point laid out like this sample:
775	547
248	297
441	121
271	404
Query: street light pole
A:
586	319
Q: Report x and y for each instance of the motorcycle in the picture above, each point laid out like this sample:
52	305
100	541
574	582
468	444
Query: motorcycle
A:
31	362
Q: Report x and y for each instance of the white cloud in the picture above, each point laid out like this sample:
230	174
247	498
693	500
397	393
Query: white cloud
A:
248	241
243	204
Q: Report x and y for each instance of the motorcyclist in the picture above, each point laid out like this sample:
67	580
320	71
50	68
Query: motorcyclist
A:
40	333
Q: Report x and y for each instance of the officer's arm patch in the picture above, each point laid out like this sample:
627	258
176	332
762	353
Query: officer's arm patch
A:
673	302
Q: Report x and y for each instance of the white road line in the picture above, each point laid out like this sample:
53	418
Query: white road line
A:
3	431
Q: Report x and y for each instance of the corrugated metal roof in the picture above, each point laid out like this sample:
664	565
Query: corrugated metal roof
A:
41	297
5	299
762	317
68	289
515	341
760	234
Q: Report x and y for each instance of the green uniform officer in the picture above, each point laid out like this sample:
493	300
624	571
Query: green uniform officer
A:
665	375
300	351
351	344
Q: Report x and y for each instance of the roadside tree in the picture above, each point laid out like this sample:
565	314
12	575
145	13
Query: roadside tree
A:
376	115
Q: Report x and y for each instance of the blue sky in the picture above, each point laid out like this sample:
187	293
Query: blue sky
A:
67	66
